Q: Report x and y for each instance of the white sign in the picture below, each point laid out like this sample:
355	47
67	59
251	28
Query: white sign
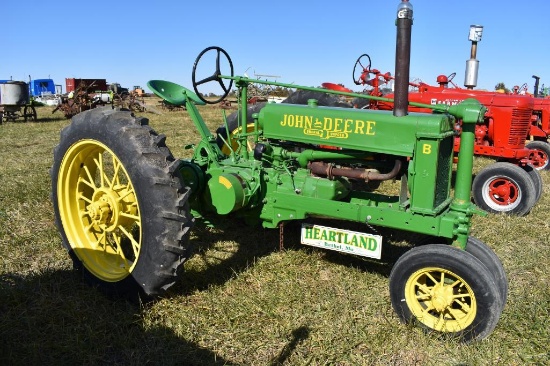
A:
352	242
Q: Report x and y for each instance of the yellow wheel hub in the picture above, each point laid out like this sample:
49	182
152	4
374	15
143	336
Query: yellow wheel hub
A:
440	299
99	210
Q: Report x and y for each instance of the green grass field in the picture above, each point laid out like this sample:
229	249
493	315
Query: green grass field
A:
241	301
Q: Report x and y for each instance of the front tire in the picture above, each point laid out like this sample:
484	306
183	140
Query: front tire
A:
119	203
447	290
504	188
540	156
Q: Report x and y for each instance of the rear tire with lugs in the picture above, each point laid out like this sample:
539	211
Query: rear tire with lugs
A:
119	203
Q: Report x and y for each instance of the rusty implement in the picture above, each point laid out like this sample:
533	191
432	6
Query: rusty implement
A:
81	100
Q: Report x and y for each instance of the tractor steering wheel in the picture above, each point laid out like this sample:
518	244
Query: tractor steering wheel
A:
362	78
451	77
523	87
215	76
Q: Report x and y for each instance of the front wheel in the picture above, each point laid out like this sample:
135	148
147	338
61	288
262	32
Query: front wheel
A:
29	112
447	290
540	154
119	203
504	188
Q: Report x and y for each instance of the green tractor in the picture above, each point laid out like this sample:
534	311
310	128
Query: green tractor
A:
125	206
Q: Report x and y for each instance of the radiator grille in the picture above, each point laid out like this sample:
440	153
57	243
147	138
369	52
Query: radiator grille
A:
521	118
444	167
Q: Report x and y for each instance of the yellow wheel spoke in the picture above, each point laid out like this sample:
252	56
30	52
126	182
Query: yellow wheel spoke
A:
129	190
455	283
119	250
99	165
459	296
135	244
116	165
90	181
89	227
84	198
130	216
457	314
101	241
102	174
428	274
425	289
463	305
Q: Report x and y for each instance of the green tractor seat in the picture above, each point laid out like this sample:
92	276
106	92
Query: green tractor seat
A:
173	93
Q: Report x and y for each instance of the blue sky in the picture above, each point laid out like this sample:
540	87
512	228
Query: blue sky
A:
303	42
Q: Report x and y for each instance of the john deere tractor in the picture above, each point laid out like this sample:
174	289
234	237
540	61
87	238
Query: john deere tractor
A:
125	205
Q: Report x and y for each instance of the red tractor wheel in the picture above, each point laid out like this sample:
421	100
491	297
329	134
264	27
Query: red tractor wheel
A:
540	154
504	188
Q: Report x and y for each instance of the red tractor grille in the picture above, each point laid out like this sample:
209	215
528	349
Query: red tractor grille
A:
521	119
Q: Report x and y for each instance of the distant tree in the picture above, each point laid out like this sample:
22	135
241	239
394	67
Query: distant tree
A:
501	86
280	92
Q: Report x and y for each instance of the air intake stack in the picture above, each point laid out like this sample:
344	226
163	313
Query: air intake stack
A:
472	65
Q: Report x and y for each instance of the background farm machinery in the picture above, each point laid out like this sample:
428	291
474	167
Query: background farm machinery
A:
82	95
85	94
15	102
512	185
125	206
539	131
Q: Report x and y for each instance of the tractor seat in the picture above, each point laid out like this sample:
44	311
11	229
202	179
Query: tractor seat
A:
173	93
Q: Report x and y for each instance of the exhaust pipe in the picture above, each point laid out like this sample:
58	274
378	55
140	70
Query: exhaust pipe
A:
402	58
536	91
331	171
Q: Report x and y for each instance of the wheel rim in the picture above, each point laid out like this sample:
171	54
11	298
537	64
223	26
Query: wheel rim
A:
440	299
99	210
539	159
501	194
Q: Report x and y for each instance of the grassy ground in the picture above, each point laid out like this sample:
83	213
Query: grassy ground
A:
241	300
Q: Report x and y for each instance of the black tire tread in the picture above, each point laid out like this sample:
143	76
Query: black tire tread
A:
487	256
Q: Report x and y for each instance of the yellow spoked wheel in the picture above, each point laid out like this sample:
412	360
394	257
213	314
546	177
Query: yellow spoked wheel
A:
447	290
99	210
234	127
440	299
232	143
119	203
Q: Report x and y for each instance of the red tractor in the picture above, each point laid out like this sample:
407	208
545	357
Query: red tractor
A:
540	120
511	185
